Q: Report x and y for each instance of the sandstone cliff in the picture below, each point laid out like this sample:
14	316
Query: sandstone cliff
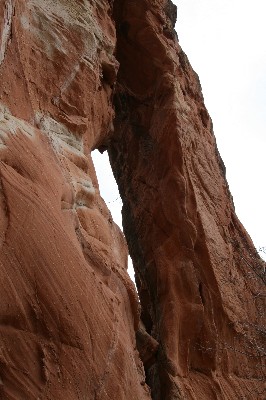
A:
87	74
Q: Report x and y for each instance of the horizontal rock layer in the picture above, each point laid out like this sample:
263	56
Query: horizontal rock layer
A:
87	74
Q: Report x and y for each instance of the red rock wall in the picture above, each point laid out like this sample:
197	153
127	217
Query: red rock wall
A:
68	309
80	75
199	278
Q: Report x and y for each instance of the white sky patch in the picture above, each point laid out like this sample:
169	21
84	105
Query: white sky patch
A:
109	192
108	186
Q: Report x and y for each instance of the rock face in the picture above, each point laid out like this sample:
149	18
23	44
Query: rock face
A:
199	279
87	74
68	308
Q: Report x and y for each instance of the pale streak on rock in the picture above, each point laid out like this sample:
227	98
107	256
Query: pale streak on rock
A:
84	192
9	124
6	29
78	15
70	79
59	133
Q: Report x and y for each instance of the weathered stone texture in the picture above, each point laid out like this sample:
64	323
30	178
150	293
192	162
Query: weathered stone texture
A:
80	75
68	308
199	278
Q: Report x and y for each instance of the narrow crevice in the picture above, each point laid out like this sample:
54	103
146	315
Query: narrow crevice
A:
201	293
147	345
132	145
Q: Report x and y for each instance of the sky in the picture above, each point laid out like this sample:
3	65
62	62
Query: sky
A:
225	43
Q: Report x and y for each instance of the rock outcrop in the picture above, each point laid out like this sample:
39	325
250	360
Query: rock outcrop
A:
110	75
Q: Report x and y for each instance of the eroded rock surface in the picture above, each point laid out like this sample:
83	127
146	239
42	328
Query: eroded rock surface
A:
199	278
68	308
81	75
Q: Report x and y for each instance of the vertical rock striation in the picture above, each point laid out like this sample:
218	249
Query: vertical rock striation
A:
198	275
87	74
